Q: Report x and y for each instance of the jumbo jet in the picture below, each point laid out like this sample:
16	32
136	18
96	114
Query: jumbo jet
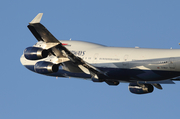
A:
142	68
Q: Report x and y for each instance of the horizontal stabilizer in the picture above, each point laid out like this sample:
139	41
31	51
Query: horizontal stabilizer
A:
37	19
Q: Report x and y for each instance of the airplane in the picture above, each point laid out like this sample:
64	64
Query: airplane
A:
142	68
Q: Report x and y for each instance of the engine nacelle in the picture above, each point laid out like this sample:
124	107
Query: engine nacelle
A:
140	89
35	53
44	67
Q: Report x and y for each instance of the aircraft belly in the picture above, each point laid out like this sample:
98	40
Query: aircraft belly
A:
138	75
122	74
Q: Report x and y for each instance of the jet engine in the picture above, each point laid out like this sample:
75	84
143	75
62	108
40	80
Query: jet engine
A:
44	67
140	88
35	53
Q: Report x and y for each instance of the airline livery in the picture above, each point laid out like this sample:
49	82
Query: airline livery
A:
142	68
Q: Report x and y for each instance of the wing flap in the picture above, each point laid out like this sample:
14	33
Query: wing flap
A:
85	70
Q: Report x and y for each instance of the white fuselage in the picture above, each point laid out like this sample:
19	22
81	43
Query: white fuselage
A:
122	58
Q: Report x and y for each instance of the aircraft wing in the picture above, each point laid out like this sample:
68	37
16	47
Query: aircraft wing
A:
42	34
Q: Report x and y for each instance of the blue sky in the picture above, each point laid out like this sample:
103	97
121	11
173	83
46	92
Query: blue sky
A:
143	23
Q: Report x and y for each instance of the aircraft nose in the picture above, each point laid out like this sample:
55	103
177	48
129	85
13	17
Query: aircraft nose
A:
22	59
27	63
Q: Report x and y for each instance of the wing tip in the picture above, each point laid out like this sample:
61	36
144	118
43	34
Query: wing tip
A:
37	19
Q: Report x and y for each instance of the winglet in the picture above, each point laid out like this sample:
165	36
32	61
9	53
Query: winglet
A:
37	19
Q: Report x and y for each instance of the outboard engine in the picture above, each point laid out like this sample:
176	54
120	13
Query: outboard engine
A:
140	89
44	67
35	53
